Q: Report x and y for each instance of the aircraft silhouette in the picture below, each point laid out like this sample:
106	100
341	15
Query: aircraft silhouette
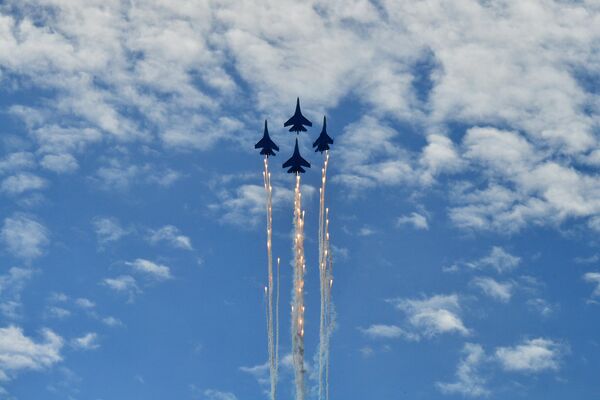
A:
323	141
296	162
298	120
266	144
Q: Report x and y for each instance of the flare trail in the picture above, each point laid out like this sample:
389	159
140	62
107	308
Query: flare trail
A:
326	282
297	319
269	289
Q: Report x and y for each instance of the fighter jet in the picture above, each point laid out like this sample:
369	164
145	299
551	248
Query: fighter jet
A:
298	120
323	141
296	162
266	144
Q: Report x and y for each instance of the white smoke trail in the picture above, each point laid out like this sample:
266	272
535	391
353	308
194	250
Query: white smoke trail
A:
297	320
269	288
324	284
329	309
277	330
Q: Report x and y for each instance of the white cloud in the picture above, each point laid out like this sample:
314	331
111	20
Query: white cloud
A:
108	229
14	280
19	352
418	221
594	278
498	259
123	283
89	341
440	155
211	394
500	291
534	355
171	235
120	175
21	183
17	161
111	321
246	205
59	163
58	312
24	236
107	75
151	269
85	303
434	315
532	185
259	372
378	331
370	156
541	306
468	383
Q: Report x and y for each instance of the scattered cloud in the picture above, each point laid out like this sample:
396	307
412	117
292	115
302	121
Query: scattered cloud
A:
111	321
435	315
24	236
84	303
541	306
500	291
245	205
379	331
594	278
59	163
119	175
418	221
151	269
123	284
21	183
17	161
89	341
19	352
532	356
58	312
172	236
211	394
498	259
108	229
469	382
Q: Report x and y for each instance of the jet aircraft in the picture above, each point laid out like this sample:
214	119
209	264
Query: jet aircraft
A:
266	144
298	120
296	162
323	141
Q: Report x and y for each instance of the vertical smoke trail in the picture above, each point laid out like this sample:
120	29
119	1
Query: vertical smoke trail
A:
277	331
330	316
324	283
297	319
269	288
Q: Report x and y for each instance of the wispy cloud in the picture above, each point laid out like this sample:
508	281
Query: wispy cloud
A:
594	278
433	316
172	236
24	236
534	355
89	341
380	331
150	269
500	291
21	183
468	382
108	229
19	352
418	221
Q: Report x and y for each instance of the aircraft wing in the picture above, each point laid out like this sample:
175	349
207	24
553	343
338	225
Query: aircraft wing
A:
304	163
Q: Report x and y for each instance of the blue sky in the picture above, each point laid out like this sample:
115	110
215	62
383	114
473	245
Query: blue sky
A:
463	188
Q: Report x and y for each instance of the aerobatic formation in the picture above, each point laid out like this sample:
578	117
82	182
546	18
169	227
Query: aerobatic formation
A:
296	164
